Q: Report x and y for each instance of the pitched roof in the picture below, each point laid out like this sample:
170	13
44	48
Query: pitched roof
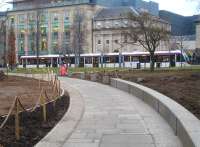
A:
2	14
114	12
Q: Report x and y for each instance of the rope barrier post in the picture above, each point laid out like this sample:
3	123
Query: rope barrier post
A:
17	129
48	74
42	76
55	92
59	92
39	84
43	104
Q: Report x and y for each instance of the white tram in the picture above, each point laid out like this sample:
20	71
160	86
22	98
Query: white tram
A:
163	59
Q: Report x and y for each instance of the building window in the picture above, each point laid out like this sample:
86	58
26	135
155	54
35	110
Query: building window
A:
55	35
66	24
21	19
125	23
43	31
107	42
44	45
117	23
98	24
67	36
125	38
32	46
21	45
99	41
107	24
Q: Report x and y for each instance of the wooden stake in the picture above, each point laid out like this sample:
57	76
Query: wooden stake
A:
39	83
59	92
17	129
43	104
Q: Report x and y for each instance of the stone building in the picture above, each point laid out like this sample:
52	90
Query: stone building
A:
56	21
108	31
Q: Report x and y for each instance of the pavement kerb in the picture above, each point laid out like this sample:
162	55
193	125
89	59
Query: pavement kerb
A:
65	127
185	125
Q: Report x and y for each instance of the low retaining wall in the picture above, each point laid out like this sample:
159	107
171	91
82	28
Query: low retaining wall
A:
185	125
94	77
65	127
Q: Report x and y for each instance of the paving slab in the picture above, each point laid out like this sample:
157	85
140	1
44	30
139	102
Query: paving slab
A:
113	118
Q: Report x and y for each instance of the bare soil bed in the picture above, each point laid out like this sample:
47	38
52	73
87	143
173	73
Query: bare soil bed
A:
32	126
181	86
28	89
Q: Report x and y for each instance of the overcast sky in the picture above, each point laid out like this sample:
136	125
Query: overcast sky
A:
183	7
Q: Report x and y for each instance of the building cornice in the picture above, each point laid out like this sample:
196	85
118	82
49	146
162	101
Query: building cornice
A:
49	7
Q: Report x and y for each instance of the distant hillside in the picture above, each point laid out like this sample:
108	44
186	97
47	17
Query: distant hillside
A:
181	25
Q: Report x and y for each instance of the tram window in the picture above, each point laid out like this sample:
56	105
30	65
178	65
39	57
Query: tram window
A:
178	58
106	59
135	59
144	59
159	58
72	59
165	58
114	59
127	58
30	61
117	59
88	60
81	60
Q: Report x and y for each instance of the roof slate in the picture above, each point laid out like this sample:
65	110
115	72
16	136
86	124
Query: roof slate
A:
117	12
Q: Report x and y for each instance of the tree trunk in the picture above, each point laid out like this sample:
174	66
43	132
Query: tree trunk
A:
2	75
152	61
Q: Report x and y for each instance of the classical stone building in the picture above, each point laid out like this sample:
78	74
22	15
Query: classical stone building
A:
108	31
70	26
57	25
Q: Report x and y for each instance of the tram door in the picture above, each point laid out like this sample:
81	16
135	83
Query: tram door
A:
55	62
172	61
95	61
81	64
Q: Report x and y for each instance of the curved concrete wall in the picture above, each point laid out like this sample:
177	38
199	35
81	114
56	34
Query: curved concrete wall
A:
185	125
65	127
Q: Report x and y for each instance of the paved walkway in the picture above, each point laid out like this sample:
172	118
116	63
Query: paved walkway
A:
113	118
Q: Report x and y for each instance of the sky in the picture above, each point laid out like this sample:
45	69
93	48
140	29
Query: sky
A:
182	7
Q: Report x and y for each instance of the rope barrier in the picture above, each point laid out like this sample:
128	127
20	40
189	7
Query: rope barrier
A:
9	113
42	101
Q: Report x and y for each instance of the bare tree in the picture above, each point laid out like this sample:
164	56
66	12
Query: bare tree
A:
11	48
78	35
147	31
3	39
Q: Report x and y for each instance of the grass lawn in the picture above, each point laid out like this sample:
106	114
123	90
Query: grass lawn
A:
89	70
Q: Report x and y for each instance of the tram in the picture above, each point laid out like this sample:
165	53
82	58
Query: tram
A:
163	59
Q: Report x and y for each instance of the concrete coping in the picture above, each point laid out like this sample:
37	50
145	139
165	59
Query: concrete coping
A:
184	124
65	127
